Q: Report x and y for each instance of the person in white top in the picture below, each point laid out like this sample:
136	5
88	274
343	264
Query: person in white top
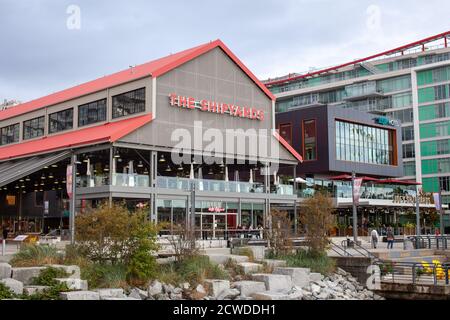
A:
374	237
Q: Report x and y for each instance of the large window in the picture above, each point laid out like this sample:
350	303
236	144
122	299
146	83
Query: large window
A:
33	128
407	133
408	151
60	121
92	112
286	132
309	140
444	183
128	103
9	134
361	143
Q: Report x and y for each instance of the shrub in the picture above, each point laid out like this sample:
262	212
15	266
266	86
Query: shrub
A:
317	219
194	269
245	252
105	275
5	292
279	231
31	255
48	275
113	234
51	293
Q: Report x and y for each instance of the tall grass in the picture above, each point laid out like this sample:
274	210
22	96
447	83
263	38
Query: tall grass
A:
31	255
317	262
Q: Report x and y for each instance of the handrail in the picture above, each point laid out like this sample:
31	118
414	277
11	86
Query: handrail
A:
334	247
357	247
430	241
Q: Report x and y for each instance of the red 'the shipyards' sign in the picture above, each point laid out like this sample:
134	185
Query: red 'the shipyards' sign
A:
216	107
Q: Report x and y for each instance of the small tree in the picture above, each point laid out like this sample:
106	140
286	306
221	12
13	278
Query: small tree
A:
280	233
182	241
317	219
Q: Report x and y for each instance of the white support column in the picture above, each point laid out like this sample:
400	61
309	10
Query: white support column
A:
415	97
154	98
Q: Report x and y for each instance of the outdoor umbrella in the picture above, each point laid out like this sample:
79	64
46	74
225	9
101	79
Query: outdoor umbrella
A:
131	173
226	173
251	176
191	174
200	177
236	178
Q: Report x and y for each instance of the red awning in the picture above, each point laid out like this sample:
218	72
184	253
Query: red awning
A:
348	177
108	132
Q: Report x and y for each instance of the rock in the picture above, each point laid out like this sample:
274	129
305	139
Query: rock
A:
271	263
300	276
138	294
72	271
315	289
80	295
117	298
168	288
215	287
315	277
30	290
110	293
162	296
26	275
223	258
177	290
185	286
341	272
247	288
270	295
324	295
74	284
155	288
5	270
350	287
228	294
14	285
274	282
176	296
249	267
198	293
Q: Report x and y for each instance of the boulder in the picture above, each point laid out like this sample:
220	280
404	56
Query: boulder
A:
198	293
72	271
115	298
26	275
247	288
274	282
5	270
168	288
13	284
110	293
176	296
74	284
271	263
185	286
215	287
249	267
155	288
316	277
30	290
80	295
300	276
223	258
138	294
228	294
270	295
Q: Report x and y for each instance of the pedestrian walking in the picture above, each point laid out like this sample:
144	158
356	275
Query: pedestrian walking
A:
390	238
374	237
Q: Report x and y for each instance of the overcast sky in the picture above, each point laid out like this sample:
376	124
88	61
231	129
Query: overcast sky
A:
45	49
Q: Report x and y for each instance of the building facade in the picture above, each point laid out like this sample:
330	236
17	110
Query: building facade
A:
153	136
407	87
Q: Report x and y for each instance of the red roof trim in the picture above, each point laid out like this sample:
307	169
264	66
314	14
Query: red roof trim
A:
287	146
108	132
388	52
153	68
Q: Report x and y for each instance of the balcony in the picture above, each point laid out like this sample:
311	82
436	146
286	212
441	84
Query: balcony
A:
363	90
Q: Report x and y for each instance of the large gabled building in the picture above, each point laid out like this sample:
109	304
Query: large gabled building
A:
118	134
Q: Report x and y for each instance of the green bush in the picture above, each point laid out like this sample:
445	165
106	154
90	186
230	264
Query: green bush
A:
317	262
31	255
5	292
48	275
194	270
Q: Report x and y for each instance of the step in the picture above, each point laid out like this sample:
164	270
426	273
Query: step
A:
396	254
440	258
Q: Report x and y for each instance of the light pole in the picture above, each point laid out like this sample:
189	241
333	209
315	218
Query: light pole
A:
355	212
417	211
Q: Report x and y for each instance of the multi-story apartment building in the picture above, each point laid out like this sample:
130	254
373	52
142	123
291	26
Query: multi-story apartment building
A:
407	86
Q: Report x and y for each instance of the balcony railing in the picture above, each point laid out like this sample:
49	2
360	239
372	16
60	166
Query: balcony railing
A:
184	184
362	90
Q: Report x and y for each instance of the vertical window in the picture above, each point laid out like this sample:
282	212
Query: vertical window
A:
60	121
444	183
442	147
9	134
92	112
33	128
309	140
286	132
408	151
128	103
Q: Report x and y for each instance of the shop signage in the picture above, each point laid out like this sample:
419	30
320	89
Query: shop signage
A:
216	107
356	189
424	198
216	209
386	121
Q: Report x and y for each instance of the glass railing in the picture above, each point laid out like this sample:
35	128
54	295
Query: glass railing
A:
382	192
130	180
361	89
92	181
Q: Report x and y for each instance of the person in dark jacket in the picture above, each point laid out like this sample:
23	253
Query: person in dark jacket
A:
5	232
390	238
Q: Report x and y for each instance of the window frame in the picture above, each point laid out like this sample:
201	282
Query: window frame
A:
113	112
24	127
50	131
303	140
